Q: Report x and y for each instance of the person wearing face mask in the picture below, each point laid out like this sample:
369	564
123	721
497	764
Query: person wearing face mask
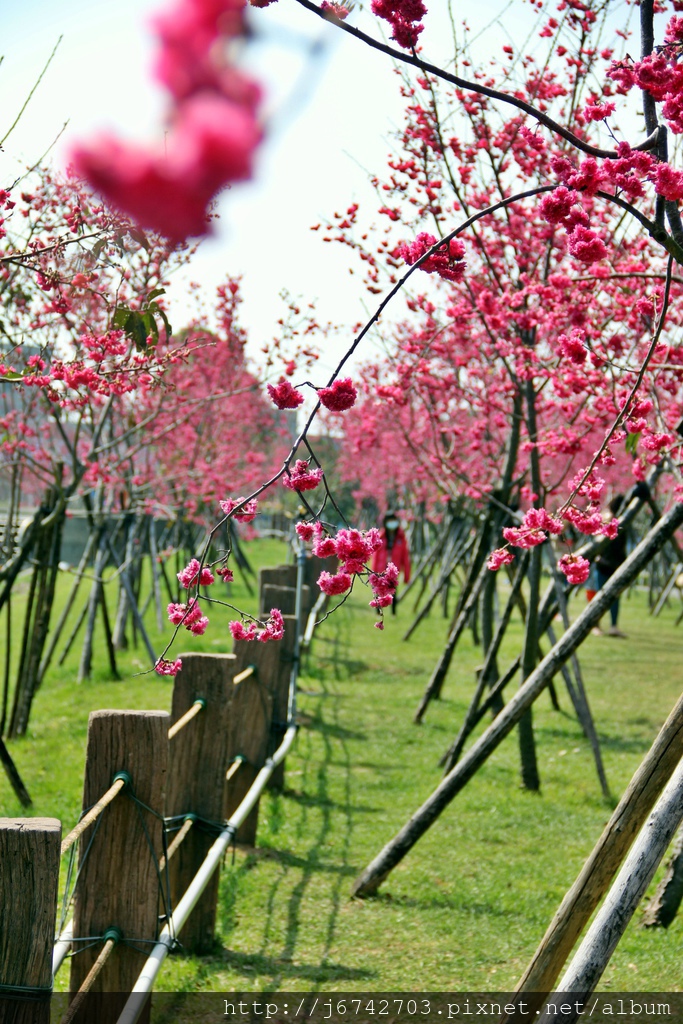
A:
394	549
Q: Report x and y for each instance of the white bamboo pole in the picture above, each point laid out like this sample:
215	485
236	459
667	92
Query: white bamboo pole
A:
610	922
62	946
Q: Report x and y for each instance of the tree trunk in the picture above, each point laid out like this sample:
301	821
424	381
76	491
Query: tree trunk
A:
527	744
85	666
39	607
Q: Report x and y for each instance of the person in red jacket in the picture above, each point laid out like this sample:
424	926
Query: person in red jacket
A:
394	549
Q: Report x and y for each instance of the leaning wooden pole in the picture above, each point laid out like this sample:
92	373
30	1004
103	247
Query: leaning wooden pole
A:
374	874
602	938
600	868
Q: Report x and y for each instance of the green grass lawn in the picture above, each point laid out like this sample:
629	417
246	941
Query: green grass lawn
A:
467	907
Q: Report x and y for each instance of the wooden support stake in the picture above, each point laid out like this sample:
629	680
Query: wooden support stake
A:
395	850
118	884
638	869
179	838
603	863
92	814
250	724
198	706
29	881
234	767
196	784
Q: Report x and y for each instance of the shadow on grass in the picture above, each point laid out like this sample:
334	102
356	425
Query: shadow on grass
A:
282	967
315	801
289	859
317	818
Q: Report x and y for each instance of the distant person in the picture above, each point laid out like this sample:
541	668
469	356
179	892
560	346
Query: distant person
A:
607	563
394	549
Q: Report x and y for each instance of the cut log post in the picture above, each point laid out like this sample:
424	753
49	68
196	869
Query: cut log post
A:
610	922
663	907
250	724
198	758
118	884
29	883
603	863
374	874
281	699
279	576
284	598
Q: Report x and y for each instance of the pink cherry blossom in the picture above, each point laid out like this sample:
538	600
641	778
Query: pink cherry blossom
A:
333	585
274	629
241	632
302	477
305	531
339	396
575	568
556	206
168	188
339	10
168	668
284	395
447	261
501	556
585	245
246	514
190	576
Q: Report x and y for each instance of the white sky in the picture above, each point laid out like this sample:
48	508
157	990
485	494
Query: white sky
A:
330	104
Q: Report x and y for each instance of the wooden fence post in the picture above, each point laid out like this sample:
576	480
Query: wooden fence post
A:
29	881
118	885
251	716
198	760
279	575
281	698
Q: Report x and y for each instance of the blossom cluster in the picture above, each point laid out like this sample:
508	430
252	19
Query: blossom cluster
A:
189	615
404	17
337	397
534	529
302	477
353	549
212	126
447	261
248	510
274	629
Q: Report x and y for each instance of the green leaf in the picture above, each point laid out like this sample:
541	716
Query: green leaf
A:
155	293
139	237
97	248
120	317
632	443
